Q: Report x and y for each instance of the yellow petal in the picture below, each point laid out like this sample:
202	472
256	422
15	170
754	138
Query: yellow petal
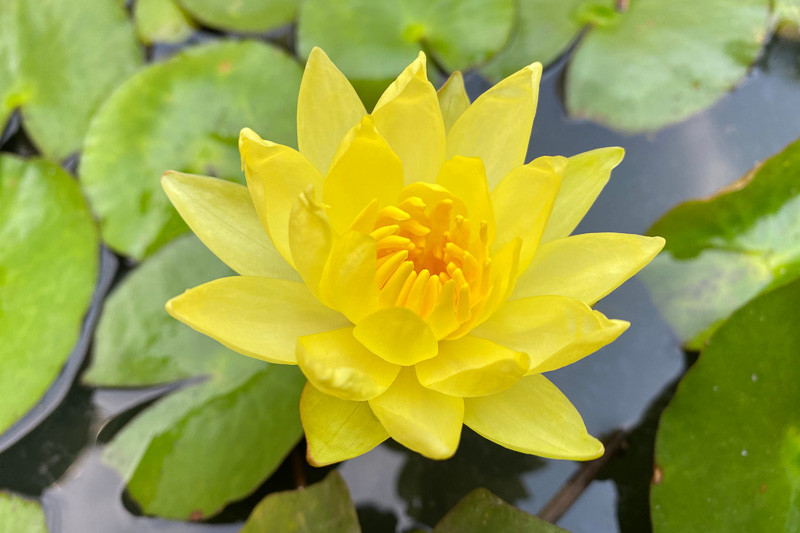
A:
257	317
523	201
453	99
221	213
471	366
408	116
276	175
337	364
337	430
465	177
584	178
586	267
310	240
532	417
554	331
398	335
497	126
364	169
421	419
327	108
348	279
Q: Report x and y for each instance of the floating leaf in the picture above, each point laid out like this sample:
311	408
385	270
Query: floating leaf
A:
243	15
723	251
161	21
324	507
215	439
728	446
59	62
372	41
663	60
183	114
480	511
787	12
48	269
543	30
18	515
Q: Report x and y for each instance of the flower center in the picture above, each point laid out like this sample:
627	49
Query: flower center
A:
429	250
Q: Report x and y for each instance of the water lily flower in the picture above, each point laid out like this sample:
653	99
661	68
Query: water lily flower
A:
418	272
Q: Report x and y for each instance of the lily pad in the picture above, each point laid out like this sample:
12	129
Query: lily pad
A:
243	15
183	114
59	63
161	21
661	61
728	446
787	12
543	29
247	408
723	251
371	42
324	507
19	515
48	269
480	511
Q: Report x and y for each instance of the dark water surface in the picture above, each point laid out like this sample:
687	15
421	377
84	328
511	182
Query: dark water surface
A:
613	389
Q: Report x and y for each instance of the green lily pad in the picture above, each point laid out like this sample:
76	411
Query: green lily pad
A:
161	21
728	446
725	250
19	515
59	63
372	42
787	12
480	511
48	269
542	31
324	507
238	417
243	15
183	114
663	60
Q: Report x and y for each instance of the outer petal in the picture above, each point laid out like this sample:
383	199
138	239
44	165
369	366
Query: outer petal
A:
348	279
453	99
276	175
465	177
257	317
336	429
408	116
337	364
310	240
398	335
532	417
553	330
221	213
497	126
421	419
523	201
471	366
584	178
586	267
327	108
364	169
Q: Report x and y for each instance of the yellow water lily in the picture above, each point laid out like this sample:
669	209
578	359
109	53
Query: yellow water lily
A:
418	272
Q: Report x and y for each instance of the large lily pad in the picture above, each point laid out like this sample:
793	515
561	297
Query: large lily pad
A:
183	114
161	21
372	42
663	60
236	405
59	62
480	511
48	269
723	251
243	15
728	446
324	507
18	515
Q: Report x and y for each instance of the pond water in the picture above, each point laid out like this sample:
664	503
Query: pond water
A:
615	389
